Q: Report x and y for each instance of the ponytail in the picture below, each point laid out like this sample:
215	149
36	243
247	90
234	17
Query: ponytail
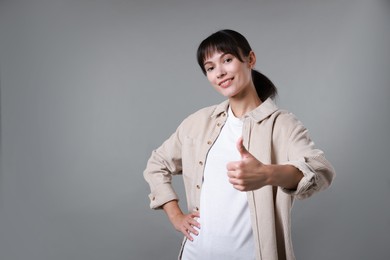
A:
264	86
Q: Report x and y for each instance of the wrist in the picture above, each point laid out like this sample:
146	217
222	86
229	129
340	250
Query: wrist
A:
272	178
285	176
172	209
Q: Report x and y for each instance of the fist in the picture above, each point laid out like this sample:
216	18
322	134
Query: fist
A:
248	173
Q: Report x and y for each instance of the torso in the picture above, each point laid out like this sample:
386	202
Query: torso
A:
226	231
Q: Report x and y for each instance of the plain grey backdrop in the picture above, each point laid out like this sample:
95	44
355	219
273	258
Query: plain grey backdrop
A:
89	88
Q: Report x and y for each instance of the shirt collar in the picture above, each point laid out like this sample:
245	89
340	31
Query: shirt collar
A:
267	108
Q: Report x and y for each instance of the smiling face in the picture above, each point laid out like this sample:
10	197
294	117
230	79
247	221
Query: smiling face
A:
228	75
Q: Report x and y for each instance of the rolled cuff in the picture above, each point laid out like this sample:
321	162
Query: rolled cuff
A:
307	185
161	195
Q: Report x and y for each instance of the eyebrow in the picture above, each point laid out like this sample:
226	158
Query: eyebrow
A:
221	57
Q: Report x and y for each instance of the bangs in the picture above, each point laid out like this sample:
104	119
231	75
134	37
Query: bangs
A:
218	42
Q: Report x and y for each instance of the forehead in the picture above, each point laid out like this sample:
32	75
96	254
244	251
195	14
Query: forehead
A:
214	56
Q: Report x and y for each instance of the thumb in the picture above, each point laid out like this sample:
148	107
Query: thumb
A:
241	149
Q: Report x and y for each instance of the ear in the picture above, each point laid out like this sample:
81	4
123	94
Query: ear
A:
252	59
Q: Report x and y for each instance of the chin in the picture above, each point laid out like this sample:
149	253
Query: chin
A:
231	94
227	95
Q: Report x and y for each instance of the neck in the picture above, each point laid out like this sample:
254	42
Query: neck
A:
244	103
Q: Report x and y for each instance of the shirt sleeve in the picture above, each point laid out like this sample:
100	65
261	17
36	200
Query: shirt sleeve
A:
318	173
164	162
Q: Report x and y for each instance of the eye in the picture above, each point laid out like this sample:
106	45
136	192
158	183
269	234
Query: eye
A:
209	69
227	60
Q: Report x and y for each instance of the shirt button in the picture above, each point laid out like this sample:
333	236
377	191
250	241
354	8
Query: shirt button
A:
154	198
200	163
209	142
196	209
218	124
198	186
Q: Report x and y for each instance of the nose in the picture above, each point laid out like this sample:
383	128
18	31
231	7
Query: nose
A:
220	72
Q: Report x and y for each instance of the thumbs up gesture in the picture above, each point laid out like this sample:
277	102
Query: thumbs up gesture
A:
248	173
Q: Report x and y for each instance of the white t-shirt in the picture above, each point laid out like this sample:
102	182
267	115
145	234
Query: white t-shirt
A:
226	230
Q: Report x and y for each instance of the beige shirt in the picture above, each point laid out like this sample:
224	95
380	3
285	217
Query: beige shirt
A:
273	136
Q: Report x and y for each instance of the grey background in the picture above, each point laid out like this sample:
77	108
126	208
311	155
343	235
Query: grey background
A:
89	88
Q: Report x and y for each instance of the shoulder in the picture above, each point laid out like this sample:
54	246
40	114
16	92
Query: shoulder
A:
196	123
205	114
286	124
285	117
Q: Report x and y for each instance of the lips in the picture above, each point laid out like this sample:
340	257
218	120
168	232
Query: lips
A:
225	83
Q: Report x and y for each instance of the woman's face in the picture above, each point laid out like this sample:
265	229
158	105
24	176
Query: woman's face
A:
228	75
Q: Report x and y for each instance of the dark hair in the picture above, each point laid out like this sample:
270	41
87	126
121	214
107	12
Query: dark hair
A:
232	42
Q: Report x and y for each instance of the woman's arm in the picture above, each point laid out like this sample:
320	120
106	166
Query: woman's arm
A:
183	223
251	174
304	172
163	163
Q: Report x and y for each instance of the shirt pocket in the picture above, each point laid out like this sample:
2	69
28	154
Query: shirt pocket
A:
190	156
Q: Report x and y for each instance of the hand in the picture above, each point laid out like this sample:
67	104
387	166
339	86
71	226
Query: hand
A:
186	223
248	173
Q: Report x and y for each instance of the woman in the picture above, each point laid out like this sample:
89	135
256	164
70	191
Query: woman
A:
243	162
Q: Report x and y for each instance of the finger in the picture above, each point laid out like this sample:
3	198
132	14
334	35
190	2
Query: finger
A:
195	214
191	229
232	181
240	187
188	230
234	166
230	166
241	148
187	235
194	223
236	181
194	217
